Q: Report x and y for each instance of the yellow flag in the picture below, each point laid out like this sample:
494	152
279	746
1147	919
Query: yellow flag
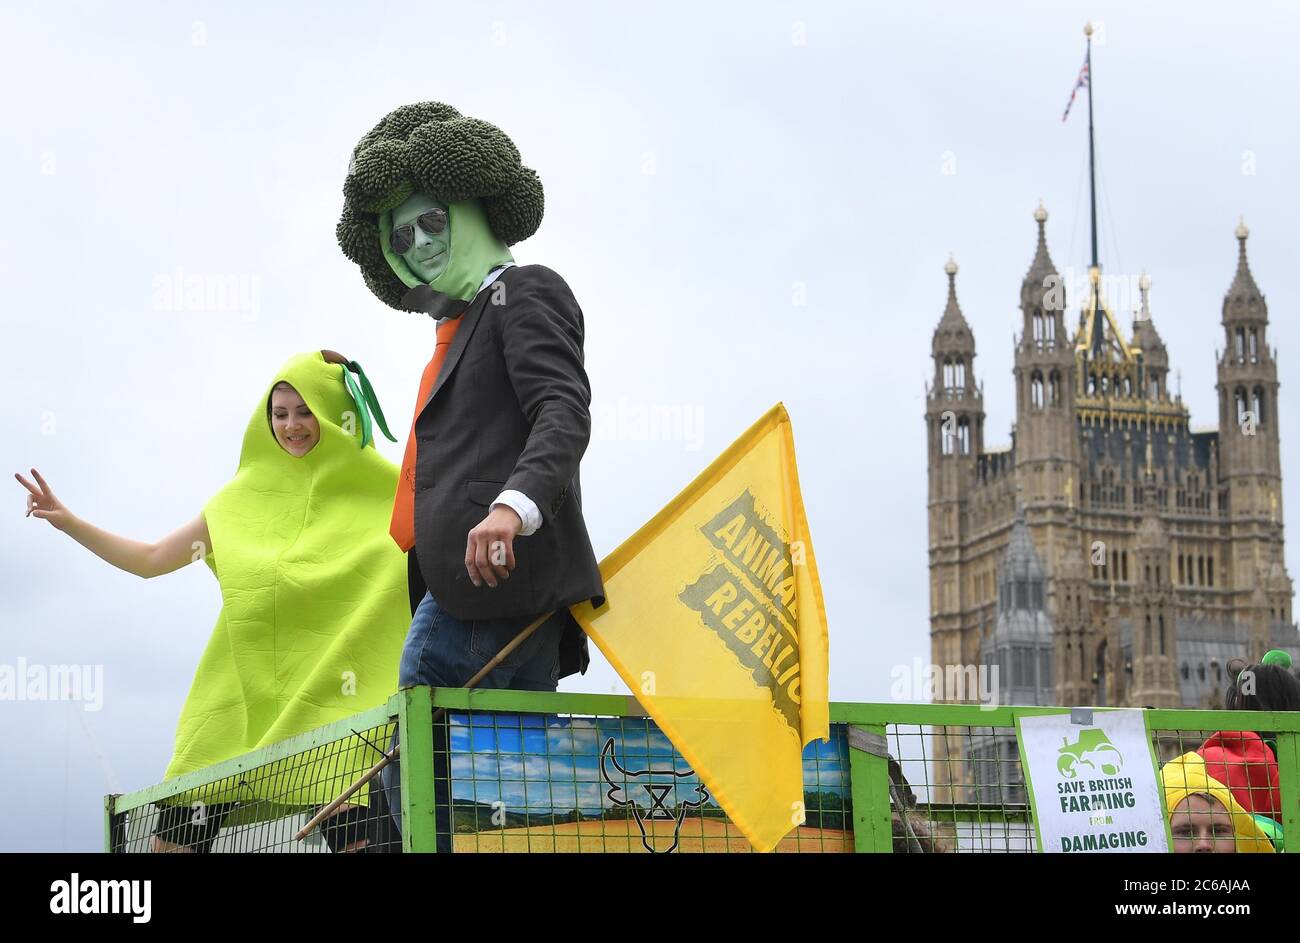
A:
714	618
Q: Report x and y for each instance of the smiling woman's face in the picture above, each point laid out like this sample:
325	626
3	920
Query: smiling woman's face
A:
424	222
295	427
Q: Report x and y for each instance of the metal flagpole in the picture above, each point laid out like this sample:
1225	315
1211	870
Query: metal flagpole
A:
1092	173
1094	272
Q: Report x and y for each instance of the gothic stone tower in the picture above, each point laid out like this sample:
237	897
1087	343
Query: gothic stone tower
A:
1152	657
1114	483
954	417
1249	460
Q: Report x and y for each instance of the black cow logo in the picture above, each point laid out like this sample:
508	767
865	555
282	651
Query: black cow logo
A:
658	793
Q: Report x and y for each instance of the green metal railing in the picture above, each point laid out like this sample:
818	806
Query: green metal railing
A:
494	770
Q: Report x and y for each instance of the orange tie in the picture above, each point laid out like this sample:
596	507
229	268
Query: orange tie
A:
403	524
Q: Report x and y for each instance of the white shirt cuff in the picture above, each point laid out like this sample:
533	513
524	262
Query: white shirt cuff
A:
522	505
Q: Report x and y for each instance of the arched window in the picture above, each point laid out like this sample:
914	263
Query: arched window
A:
1209	571
1254	345
1259	404
1161	625
1240	337
1054	388
1036	390
1100	697
954	375
1180	569
1123	561
963	436
1092	384
1146	636
1128	386
1242	406
1200	570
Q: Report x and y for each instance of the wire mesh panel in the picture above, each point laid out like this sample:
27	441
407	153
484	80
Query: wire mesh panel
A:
1249	801
961	788
958	789
509	771
262	807
568	783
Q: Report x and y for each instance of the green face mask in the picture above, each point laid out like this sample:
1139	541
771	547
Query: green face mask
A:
447	249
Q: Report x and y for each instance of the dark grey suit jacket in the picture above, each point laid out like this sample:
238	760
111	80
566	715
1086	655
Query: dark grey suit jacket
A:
510	409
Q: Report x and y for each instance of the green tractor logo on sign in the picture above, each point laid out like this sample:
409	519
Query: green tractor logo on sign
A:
1093	748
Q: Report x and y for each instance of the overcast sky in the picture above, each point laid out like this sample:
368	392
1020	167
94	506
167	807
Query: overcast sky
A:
752	202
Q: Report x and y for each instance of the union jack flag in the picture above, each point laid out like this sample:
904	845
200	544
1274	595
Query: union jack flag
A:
1081	83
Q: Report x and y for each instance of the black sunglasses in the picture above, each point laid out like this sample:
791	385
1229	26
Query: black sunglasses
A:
403	237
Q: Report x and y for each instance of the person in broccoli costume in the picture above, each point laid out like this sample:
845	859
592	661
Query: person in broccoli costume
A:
488	505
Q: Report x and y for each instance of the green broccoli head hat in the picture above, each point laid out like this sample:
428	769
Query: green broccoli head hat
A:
429	148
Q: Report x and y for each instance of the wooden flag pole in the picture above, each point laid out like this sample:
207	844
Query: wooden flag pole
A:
374	771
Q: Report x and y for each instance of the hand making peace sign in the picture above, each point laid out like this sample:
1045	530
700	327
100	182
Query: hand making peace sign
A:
42	503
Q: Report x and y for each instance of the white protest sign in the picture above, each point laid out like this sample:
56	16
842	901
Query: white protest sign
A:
1091	777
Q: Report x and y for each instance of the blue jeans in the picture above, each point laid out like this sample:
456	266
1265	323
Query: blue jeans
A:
442	651
445	652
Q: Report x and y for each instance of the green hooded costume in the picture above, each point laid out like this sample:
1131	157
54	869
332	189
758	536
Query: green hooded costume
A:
315	606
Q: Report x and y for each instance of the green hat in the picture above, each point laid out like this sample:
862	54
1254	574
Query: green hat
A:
430	148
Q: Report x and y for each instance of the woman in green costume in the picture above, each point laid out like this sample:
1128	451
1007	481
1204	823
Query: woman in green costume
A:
314	597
